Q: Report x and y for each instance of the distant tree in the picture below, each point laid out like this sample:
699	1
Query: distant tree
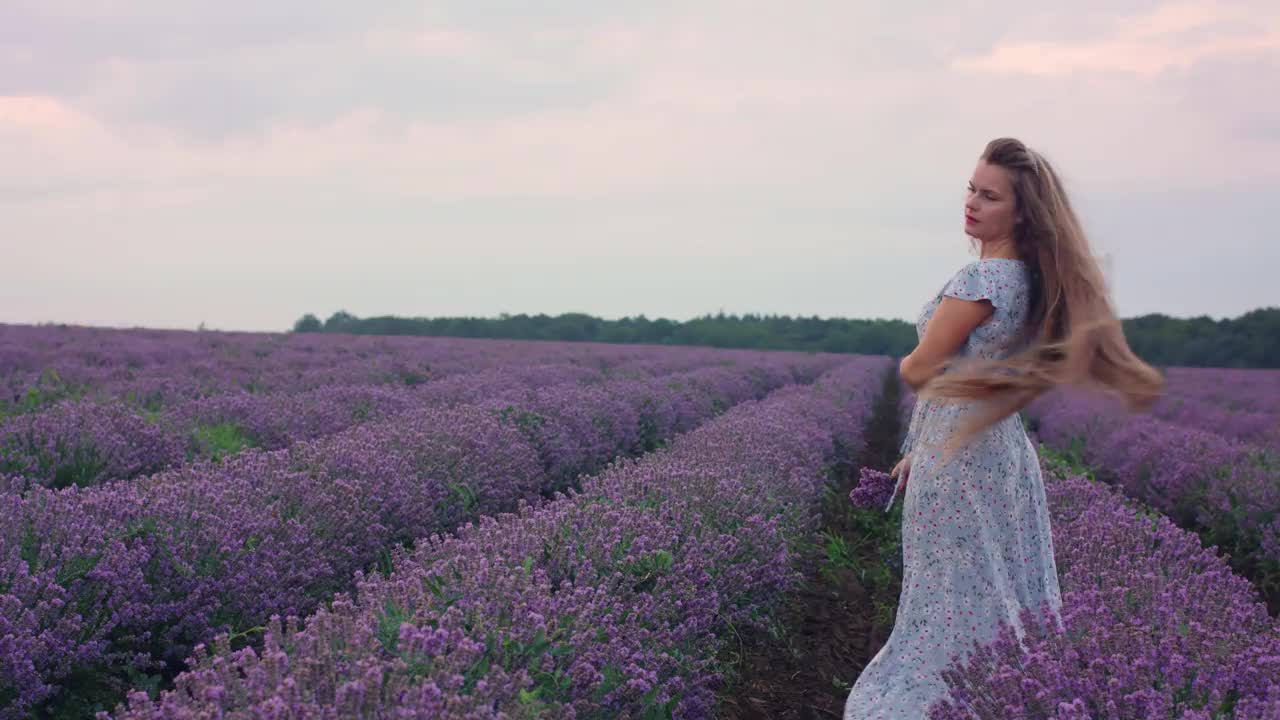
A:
1251	340
341	321
308	323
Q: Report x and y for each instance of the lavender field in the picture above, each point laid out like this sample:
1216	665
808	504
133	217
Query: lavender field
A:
169	492
223	525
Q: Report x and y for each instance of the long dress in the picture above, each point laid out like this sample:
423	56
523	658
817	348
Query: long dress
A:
976	541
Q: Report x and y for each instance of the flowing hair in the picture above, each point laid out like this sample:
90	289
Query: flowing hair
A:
1072	335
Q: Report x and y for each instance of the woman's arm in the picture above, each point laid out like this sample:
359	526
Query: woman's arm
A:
943	335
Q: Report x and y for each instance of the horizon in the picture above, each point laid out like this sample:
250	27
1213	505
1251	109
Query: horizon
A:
203	327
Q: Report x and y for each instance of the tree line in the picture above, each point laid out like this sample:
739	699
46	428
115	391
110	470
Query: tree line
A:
1251	340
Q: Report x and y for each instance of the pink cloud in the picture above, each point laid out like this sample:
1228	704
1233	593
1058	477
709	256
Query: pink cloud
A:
429	41
40	113
702	103
1144	45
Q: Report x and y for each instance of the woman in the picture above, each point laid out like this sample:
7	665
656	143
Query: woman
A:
1032	313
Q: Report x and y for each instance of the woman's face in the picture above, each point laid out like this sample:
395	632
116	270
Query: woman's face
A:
989	212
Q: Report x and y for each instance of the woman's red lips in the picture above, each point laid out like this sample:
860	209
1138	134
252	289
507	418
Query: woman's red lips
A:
970	219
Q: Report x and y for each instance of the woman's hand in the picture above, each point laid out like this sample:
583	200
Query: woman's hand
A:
901	471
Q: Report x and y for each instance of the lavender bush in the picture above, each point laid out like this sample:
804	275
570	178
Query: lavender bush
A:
1156	626
1227	490
82	443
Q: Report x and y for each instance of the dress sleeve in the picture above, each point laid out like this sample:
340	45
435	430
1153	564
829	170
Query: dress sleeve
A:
975	281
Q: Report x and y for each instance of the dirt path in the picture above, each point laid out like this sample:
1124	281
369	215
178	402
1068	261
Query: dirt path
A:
836	622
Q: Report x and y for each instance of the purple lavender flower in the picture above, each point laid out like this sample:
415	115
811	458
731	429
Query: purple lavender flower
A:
874	489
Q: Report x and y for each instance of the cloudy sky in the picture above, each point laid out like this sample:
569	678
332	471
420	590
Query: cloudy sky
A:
169	162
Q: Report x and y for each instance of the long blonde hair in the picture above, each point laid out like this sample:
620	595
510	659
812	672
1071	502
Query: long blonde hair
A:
1072	335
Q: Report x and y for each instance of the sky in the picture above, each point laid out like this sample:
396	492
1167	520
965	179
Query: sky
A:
168	163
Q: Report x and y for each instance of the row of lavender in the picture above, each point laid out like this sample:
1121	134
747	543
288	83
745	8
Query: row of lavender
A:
1251	390
155	369
1155	624
87	442
1241	405
121	580
1227	490
608	603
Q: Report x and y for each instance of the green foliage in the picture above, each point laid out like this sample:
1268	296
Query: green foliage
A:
47	390
92	688
308	323
1066	462
389	622
341	321
220	440
526	421
82	467
462	501
29	548
1251	340
762	332
647	569
76	568
67	465
361	410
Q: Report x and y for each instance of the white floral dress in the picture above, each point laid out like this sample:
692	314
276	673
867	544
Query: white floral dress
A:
976	541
